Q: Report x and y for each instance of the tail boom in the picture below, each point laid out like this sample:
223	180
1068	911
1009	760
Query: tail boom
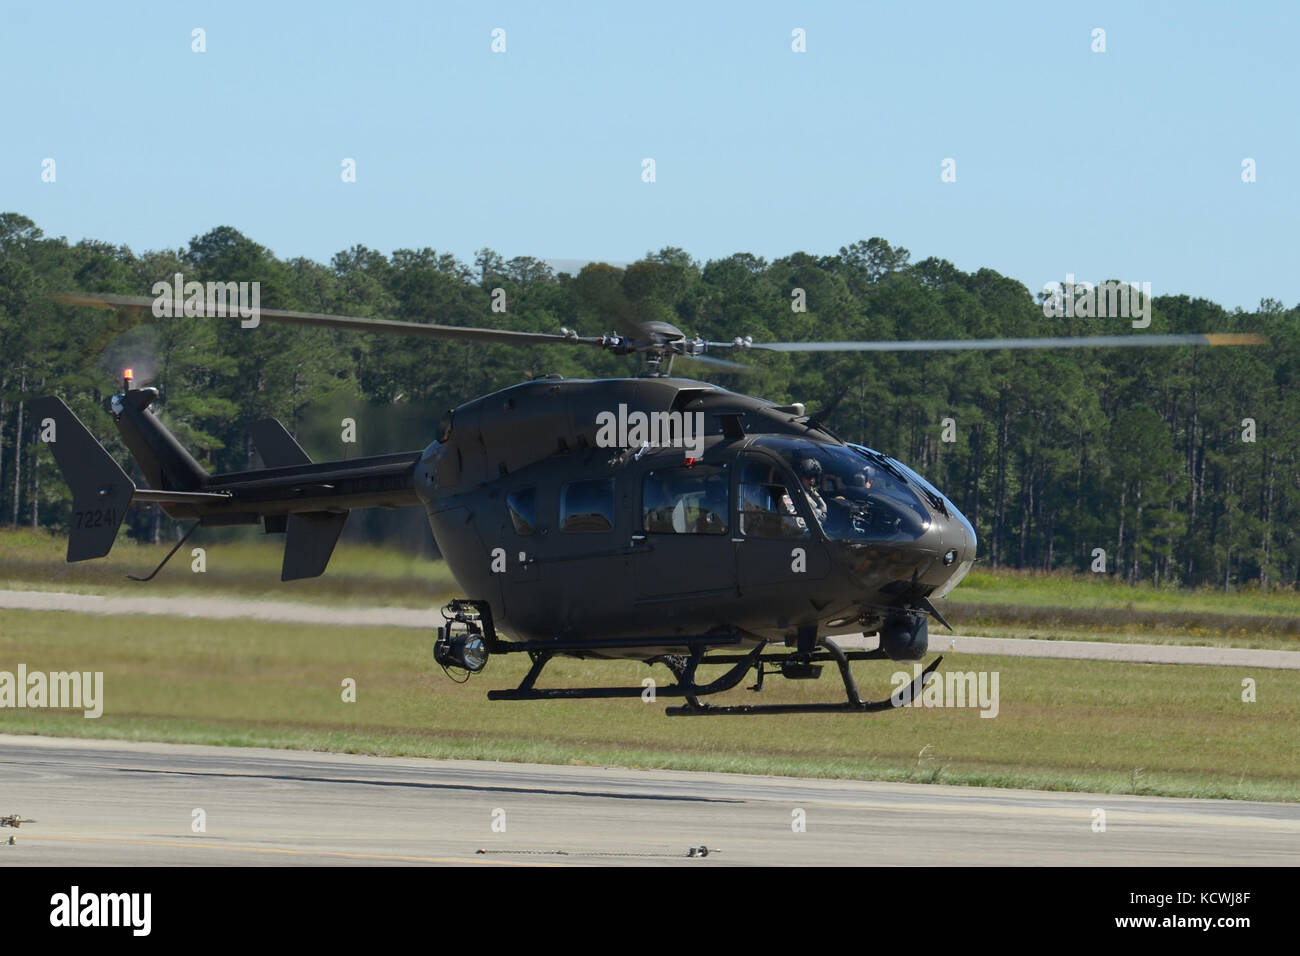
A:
308	501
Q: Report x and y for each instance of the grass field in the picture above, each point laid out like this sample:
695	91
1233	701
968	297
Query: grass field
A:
245	564
1061	725
1094	608
1101	592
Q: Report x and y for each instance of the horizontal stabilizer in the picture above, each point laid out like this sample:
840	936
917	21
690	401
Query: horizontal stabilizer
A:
101	490
276	445
148	496
309	541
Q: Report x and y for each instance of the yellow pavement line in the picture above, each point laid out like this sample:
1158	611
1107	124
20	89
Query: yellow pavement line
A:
1116	812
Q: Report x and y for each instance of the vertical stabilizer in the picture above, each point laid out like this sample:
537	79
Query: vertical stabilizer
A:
101	490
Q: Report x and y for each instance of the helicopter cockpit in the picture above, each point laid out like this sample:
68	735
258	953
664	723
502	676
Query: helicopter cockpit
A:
854	495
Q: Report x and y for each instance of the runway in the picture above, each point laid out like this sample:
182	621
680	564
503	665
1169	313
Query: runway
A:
229	608
115	803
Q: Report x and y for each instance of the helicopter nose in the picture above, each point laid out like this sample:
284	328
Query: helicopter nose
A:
953	539
955	543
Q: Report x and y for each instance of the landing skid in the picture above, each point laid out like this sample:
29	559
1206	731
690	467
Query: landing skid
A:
794	665
684	671
853	704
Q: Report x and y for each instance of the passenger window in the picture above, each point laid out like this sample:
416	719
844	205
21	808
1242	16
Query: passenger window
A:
587	505
522	504
686	500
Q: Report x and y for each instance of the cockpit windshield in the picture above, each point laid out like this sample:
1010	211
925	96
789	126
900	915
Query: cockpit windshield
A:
855	496
917	479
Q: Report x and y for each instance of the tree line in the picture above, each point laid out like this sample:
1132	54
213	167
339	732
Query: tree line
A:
1179	463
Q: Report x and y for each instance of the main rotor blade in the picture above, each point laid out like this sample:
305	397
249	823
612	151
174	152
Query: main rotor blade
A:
349	323
947	345
720	364
502	336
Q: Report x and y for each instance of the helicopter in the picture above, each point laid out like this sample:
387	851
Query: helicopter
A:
656	518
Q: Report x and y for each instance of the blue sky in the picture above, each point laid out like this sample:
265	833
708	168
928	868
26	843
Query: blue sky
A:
1122	164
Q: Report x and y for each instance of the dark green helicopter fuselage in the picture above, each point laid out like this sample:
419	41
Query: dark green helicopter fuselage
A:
570	535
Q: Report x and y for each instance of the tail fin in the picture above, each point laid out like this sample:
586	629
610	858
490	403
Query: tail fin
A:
311	535
101	490
166	465
310	542
276	445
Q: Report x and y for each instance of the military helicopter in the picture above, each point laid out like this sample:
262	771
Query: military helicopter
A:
656	518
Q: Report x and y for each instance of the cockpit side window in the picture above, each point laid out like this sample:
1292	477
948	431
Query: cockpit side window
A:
765	506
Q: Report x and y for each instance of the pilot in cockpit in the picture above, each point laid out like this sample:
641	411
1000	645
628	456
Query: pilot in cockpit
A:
810	474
